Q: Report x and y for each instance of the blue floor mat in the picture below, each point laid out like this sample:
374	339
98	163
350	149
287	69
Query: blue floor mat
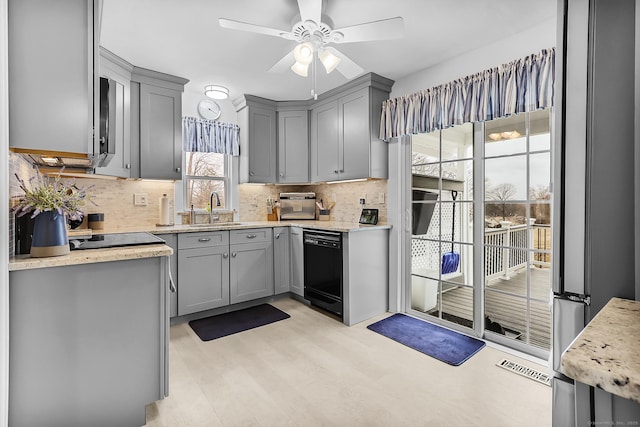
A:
448	346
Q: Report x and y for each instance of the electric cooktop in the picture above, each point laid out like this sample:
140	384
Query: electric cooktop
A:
99	241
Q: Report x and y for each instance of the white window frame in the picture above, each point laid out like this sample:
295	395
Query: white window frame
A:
226	179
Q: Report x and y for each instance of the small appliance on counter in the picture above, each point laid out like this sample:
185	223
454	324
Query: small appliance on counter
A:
297	206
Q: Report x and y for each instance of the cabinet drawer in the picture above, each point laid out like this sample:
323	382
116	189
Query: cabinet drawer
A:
252	235
203	240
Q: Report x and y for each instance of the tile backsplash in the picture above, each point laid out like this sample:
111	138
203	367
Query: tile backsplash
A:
345	195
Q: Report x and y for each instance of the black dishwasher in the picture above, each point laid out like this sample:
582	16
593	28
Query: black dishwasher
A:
323	270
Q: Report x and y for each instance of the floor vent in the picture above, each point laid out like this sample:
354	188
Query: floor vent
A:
524	371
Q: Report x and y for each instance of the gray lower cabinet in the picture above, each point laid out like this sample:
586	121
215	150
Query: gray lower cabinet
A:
281	259
251	264
172	241
203	271
88	343
297	262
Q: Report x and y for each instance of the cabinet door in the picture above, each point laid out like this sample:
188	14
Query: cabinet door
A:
354	138
281	256
51	74
324	143
293	146
262	145
203	275
172	241
160	133
251	271
297	261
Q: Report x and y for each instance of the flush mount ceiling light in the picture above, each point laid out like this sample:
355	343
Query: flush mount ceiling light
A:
216	91
497	136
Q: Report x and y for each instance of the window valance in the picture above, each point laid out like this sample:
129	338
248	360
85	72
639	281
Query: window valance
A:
526	84
210	136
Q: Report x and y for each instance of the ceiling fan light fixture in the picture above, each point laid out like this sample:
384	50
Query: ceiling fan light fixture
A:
303	53
300	69
216	91
329	60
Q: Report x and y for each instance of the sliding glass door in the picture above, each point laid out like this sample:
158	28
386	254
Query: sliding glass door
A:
496	174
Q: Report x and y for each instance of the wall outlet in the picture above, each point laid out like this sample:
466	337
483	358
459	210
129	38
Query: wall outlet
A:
381	198
140	199
254	201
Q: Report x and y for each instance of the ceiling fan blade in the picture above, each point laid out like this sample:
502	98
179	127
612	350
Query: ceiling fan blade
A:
385	29
244	26
310	10
346	66
284	64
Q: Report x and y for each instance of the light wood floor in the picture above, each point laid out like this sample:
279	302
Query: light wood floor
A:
311	370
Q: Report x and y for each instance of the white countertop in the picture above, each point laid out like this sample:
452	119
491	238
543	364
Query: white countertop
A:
606	354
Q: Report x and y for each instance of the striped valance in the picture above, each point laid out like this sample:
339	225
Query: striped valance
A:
526	84
210	136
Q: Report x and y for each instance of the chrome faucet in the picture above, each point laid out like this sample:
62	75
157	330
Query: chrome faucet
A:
211	217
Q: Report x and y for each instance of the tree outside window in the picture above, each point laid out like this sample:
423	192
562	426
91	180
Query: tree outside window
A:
205	173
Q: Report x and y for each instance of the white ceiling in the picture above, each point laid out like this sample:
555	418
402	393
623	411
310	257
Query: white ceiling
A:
183	38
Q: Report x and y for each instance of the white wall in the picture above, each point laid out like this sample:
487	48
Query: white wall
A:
510	48
192	95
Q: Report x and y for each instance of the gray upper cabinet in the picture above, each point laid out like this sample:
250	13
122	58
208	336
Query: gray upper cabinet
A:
281	260
257	120
331	139
344	132
57	42
156	124
324	142
293	146
119	72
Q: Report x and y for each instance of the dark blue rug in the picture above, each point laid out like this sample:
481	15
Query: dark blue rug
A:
448	346
225	324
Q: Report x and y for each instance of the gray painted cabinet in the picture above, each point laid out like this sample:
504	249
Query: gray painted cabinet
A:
52	52
251	264
344	137
297	261
281	259
203	271
171	240
293	146
156	124
257	120
88	343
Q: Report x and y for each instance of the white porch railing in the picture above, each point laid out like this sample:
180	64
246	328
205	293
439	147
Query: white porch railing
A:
508	249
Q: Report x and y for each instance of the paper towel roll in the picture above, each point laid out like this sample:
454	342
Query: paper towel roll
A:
165	218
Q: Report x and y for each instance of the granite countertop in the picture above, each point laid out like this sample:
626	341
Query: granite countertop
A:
606	353
25	262
341	227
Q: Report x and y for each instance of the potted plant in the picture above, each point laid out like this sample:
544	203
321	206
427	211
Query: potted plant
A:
51	202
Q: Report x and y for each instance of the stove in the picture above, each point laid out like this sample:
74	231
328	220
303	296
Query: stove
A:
99	241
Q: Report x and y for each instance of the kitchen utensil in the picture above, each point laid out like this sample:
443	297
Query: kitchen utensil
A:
451	260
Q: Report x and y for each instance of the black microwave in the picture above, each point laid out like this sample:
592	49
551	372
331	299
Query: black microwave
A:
107	128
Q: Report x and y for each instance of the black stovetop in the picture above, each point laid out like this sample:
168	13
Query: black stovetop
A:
99	241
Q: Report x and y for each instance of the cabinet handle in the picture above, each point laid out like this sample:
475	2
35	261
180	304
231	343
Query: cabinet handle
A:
251	236
277	235
127	166
251	173
204	239
178	170
281	174
225	255
341	170
233	254
335	171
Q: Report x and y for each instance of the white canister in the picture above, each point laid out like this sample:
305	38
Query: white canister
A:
165	212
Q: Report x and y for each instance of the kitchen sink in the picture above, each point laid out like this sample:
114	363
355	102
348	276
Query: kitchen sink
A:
218	224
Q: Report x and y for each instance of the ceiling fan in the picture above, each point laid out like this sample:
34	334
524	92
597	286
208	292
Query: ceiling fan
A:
313	32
